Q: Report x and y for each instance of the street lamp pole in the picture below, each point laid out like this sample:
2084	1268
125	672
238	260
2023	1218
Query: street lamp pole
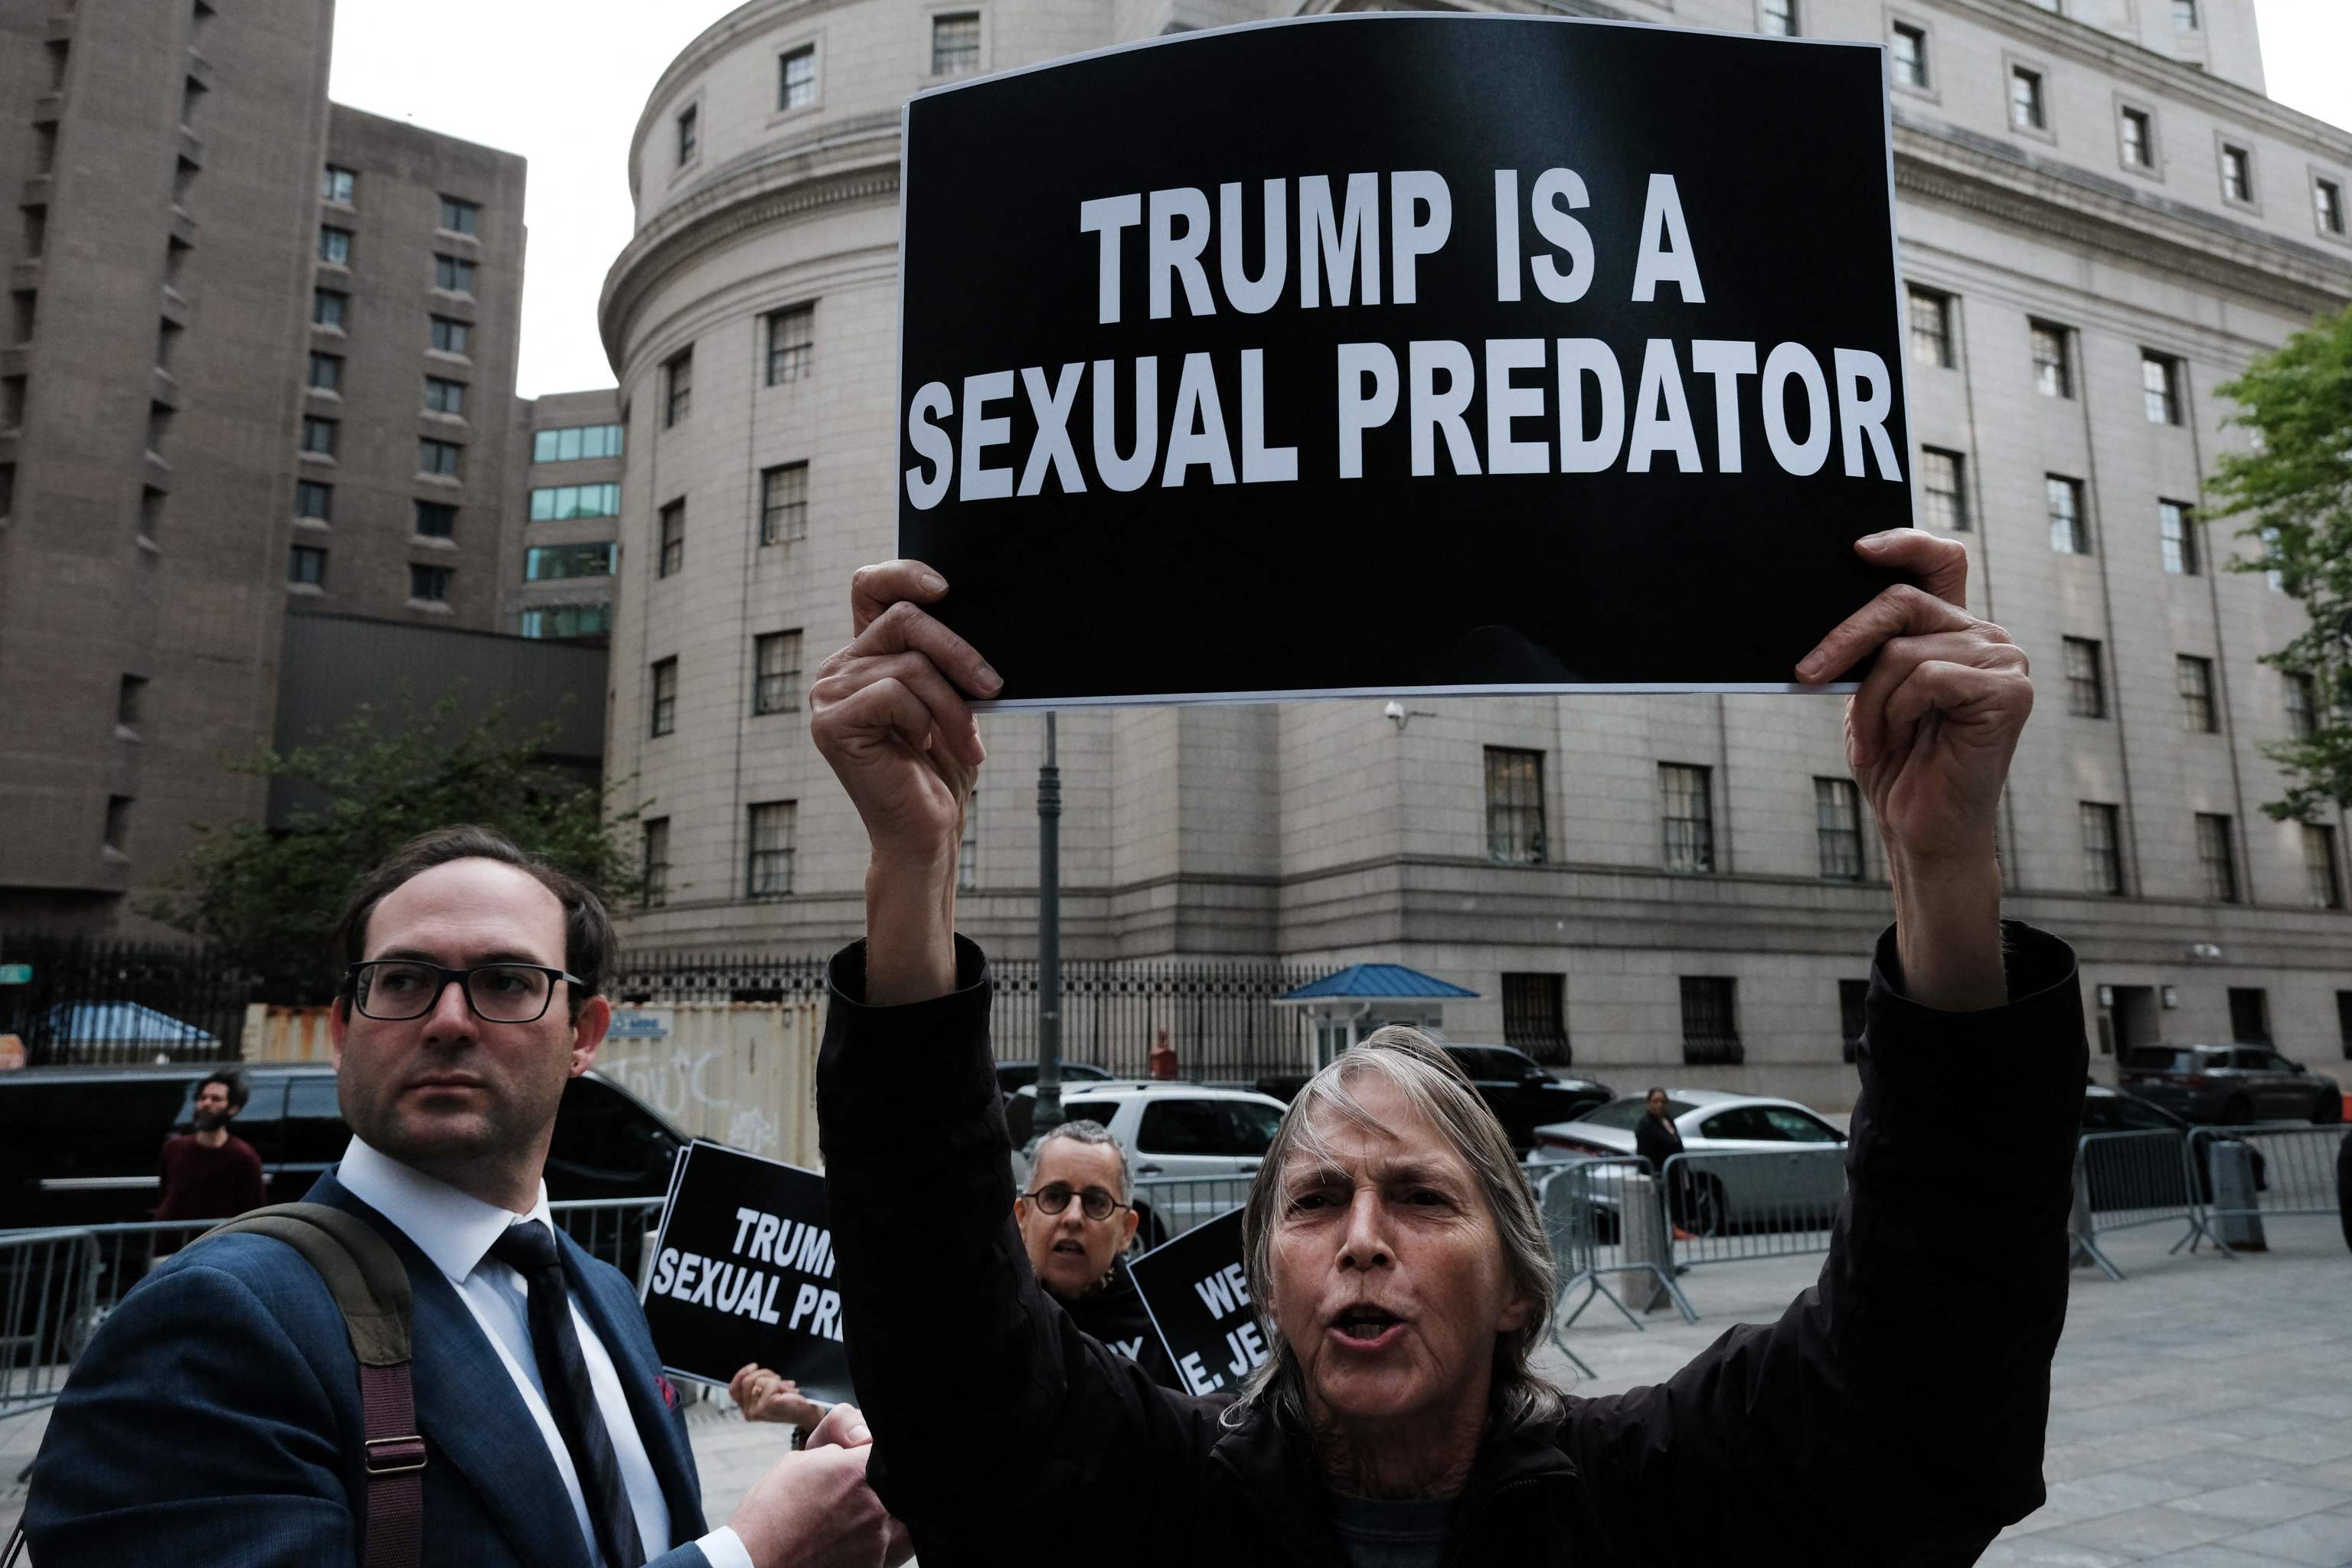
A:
1049	939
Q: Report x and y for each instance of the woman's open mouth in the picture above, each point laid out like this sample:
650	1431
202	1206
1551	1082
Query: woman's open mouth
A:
1365	1326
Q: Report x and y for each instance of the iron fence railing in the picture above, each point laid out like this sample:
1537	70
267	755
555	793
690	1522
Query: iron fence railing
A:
89	1001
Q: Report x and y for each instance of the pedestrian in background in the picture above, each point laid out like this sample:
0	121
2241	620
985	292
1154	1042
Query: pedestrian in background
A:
1657	1140
210	1174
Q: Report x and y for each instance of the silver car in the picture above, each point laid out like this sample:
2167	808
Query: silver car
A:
1783	1162
1195	1150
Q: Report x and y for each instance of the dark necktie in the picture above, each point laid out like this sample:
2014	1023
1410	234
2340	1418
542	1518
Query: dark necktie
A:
529	1248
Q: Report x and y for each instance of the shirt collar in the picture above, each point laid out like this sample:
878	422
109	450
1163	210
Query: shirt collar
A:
454	1229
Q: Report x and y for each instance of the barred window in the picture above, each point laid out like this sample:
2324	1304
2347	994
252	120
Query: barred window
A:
448	336
784	503
2302	706
2069	535
656	862
2176	525
444	396
1515	815
453	274
1931	327
2103	864
2054	373
1687	817
673	540
2218	857
2086	680
770	872
439	457
678	381
1837	823
2195	678
429	584
664	708
955	43
776	663
792	344
1943	495
2323	886
2158	387
435	520
1853	1014
1535	1015
1711	1021
460	216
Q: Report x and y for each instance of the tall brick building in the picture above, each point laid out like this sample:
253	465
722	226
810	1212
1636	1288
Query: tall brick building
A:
2102	217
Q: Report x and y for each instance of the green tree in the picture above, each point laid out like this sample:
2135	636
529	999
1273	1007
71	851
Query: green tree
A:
2294	492
269	897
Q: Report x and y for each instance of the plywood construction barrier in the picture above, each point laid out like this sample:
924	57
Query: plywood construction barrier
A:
743	1073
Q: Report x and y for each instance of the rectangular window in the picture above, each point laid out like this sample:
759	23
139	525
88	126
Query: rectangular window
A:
690	132
129	698
444	396
438	457
1931	327
429	584
1687	817
329	308
776	673
955	43
554	503
459	216
326	373
2323	886
784	503
313	500
664	708
654	861
453	273
2159	388
1515	815
1778	17
449	334
118	823
1837	823
967	849
1535	1015
2054	374
338	184
673	540
319	437
2218	857
1943	494
796	78
2328	206
556	621
2249	1015
2195	679
575	443
1853	1014
1711	1021
545	562
2237	174
2177	527
2138	131
2086	680
2103	862
307	563
2069	534
2184	14
2302	706
770	873
1910	47
792	344
435	520
2026	110
335	246
678	387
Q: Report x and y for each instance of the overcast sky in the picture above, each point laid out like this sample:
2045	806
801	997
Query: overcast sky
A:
562	82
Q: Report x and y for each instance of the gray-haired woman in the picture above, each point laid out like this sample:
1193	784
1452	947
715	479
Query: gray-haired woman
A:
1394	1249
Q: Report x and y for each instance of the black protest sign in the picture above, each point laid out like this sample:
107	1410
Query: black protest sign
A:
1198	1295
743	1272
1390	353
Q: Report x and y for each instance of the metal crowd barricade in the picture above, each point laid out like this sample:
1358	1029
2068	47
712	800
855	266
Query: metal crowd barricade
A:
2294	1174
619	1231
2123	1181
47	1277
1603	1218
1741	1205
1171	1205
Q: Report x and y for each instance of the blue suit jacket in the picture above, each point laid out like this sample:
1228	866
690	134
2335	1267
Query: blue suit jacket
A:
215	1419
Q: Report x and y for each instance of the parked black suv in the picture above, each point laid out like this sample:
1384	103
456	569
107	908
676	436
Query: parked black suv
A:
1520	1093
78	1145
2231	1085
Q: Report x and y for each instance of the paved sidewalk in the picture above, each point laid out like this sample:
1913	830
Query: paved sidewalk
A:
2201	1418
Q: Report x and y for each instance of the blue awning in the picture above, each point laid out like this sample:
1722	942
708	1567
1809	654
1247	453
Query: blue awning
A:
1377	983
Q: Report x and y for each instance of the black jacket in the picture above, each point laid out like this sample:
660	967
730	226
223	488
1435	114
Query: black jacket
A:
1115	1315
1657	1141
1860	1424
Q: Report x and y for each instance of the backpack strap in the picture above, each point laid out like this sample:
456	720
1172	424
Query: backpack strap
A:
370	1285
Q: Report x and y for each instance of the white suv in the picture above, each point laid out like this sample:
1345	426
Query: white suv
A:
1195	1150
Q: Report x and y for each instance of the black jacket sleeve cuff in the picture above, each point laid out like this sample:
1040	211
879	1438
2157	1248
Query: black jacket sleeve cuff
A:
889	1073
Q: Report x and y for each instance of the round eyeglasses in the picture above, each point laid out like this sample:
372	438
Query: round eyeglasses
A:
393	990
1094	1203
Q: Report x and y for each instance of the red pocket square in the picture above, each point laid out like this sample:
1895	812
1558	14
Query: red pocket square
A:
668	1390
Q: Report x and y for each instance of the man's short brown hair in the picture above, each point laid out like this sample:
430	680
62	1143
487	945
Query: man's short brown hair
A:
589	944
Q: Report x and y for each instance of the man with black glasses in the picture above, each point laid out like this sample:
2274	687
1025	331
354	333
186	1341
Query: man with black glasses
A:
220	1408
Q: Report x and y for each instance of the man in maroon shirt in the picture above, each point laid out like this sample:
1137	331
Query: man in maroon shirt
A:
210	1174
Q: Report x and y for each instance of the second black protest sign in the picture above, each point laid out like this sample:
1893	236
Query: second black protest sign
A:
1196	1292
1390	353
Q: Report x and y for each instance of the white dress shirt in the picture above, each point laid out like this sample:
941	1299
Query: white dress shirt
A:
456	1232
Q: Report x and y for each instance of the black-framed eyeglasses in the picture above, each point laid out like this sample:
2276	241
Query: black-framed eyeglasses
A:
1094	1203
393	990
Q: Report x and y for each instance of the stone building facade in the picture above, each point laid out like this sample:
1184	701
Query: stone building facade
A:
2101	217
